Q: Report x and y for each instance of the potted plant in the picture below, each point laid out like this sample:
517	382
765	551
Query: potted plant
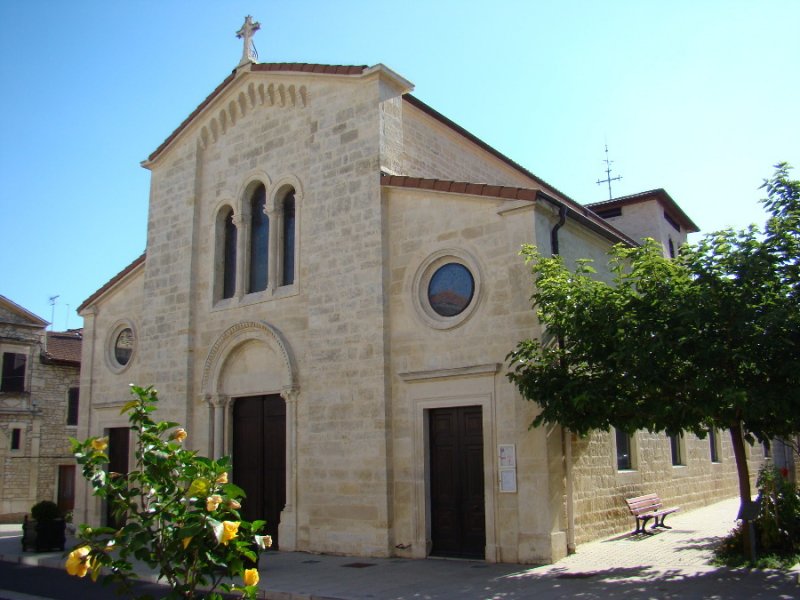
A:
45	529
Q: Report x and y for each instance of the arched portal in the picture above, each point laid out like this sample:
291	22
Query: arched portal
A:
250	385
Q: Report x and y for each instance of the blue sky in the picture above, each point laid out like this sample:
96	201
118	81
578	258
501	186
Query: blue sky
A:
700	98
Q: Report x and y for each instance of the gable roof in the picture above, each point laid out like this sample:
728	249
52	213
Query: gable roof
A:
660	195
579	213
416	102
317	69
112	282
64	347
22	316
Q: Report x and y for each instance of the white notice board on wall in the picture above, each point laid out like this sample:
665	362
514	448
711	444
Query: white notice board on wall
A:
507	461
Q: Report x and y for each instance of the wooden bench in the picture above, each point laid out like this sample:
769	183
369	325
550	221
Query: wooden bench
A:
649	507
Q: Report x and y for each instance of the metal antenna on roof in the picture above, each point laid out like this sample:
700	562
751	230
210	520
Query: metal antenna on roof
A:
53	310
608	178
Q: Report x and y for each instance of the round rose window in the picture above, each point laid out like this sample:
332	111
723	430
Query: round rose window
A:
451	289
123	346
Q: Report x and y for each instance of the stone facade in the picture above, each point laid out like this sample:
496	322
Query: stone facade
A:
351	341
34	422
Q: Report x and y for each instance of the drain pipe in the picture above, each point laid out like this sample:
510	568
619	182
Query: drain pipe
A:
566	435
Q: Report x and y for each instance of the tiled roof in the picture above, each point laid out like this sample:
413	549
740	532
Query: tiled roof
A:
273	67
111	282
660	194
579	213
459	187
64	346
311	68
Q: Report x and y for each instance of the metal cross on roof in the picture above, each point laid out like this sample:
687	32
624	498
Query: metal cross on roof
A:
249	53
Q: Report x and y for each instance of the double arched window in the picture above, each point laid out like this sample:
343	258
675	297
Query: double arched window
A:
260	248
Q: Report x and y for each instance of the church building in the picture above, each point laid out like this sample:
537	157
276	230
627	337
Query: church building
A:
330	288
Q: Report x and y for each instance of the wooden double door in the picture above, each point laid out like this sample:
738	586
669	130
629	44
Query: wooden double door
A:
458	520
259	458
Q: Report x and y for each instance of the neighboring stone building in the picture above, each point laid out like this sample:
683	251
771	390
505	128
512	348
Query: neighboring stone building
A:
39	395
329	296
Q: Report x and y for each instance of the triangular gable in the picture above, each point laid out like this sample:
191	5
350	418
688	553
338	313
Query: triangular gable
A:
112	283
261	93
12	313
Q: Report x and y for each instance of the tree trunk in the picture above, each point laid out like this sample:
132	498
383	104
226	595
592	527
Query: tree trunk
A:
745	497
742	470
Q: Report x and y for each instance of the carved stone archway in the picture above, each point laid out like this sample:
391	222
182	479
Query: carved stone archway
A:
253	358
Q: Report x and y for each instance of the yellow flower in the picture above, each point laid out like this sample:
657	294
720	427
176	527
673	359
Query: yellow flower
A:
213	502
179	434
251	577
185	541
234	504
222	478
100	444
229	531
79	562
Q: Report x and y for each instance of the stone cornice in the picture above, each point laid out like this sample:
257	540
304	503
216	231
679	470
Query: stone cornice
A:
471	371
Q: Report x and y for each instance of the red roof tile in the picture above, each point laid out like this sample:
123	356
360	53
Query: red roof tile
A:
64	346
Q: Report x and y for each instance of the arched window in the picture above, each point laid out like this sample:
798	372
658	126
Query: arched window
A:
229	257
259	241
288	237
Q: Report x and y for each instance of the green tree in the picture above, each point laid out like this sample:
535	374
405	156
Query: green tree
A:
710	339
179	513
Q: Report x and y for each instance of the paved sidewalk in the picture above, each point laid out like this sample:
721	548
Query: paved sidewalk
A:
671	564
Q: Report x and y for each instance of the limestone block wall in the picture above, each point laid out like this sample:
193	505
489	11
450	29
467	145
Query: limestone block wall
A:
646	219
50	387
600	489
29	474
105	387
331	317
432	149
433	365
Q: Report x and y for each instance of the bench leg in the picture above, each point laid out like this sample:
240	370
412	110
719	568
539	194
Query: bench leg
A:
641	523
661	524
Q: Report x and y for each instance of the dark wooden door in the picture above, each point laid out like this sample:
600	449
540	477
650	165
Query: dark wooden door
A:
66	488
118	456
259	458
458	524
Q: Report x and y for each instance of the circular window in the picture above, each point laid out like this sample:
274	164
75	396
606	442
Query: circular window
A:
123	346
451	289
446	288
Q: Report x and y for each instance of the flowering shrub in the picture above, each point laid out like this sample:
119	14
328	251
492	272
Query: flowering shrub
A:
778	520
179	511
776	526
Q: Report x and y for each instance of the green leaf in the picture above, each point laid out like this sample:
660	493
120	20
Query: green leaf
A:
233	491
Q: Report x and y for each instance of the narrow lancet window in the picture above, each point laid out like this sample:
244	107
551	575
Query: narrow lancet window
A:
259	241
287	268
229	260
